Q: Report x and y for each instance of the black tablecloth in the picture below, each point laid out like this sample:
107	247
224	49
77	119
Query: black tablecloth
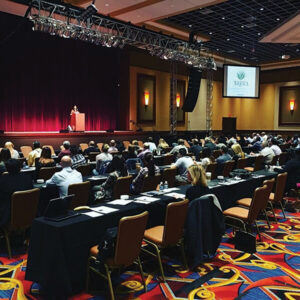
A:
58	251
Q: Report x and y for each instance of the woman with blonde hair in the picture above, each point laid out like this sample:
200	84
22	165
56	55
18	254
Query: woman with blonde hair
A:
162	144
10	146
237	149
196	176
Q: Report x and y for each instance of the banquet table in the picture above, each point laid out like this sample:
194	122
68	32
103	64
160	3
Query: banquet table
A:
58	251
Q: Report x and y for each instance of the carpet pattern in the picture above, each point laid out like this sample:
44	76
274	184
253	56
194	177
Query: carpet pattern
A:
273	272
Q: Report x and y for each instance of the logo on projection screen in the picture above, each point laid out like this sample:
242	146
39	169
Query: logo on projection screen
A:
240	75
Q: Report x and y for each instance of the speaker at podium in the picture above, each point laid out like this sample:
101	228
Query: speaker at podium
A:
78	122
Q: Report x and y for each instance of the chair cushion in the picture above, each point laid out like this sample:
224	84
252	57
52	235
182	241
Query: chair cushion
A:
155	234
271	197
245	202
250	169
238	212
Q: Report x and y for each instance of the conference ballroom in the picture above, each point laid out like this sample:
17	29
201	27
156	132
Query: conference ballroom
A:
149	149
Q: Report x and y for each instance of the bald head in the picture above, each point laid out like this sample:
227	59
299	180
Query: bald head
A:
66	161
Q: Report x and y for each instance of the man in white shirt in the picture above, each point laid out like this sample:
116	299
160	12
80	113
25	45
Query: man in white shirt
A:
178	147
65	177
36	152
103	157
266	152
182	164
275	147
152	145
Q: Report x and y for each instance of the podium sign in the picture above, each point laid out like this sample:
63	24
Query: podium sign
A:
78	122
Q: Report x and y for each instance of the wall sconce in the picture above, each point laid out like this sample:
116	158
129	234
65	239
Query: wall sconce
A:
292	105
177	100
146	98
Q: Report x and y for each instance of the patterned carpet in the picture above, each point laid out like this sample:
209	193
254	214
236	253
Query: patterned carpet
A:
271	273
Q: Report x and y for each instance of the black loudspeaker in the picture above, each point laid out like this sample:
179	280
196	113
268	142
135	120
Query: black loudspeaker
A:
229	125
193	90
109	130
1	131
64	131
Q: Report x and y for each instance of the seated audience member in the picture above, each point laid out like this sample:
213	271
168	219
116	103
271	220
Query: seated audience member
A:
65	177
238	152
224	157
146	150
103	157
115	169
4	157
112	147
264	136
149	169
65	150
182	164
274	146
45	159
131	152
76	158
292	167
14	181
135	143
196	176
35	153
162	144
152	146
267	153
196	148
91	148
13	153
178	147
209	143
206	158
256	144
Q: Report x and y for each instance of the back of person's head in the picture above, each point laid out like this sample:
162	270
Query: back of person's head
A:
195	141
274	141
146	146
46	152
91	144
66	161
236	148
13	166
206	152
105	148
182	152
5	155
197	174
112	143
149	162
224	149
36	145
207	139
131	148
73	150
135	143
150	139
9	145
118	164
264	144
180	142
66	145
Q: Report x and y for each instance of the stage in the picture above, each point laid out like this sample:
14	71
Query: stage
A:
55	138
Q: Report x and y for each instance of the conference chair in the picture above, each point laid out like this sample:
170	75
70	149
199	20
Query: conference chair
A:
51	148
85	169
212	169
126	144
228	166
282	158
169	234
168	159
274	160
24	206
128	247
169	176
26	150
92	156
257	164
99	145
216	153
141	144
83	146
241	163
131	163
46	172
122	187
150	183
81	193
278	195
166	150
246	202
246	216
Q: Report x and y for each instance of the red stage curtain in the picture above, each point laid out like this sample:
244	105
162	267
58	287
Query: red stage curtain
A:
43	76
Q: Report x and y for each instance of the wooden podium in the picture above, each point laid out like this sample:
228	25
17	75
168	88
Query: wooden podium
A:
78	122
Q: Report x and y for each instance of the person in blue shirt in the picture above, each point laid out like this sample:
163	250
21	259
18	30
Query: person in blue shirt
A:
224	157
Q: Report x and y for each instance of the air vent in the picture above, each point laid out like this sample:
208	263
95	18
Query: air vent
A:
230	51
206	11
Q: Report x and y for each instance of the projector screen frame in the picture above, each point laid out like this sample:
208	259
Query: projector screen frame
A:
235	65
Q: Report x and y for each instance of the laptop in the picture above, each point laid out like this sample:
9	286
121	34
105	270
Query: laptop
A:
58	209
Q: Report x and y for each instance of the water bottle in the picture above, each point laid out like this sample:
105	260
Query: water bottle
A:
166	185
161	186
24	165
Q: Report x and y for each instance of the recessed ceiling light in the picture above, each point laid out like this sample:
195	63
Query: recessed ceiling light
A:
297	50
228	39
285	56
261	8
245	57
223	18
210	33
243	45
106	4
278	19
190	25
258	33
217	49
242	26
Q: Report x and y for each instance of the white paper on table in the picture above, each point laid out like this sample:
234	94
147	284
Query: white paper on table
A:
94	178
171	190
92	214
142	202
146	199
104	209
176	195
120	202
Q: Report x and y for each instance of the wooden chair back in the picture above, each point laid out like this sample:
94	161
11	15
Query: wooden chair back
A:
258	163
51	148
122	187
269	183
150	183
46	172
228	166
168	159
81	193
169	176
85	169
26	150
280	187
92	156
241	163
129	240
216	153
141	144
282	158
174	222
83	146
260	195
100	145
24	206
212	169
126	144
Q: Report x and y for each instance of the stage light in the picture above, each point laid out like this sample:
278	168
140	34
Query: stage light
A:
292	105
177	100
146	98
89	12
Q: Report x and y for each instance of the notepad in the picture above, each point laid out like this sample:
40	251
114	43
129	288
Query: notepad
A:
92	214
176	195
120	202
104	209
146	199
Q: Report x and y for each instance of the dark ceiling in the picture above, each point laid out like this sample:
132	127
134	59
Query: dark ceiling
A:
236	26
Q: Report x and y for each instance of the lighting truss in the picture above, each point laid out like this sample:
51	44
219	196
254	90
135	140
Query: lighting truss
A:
68	22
